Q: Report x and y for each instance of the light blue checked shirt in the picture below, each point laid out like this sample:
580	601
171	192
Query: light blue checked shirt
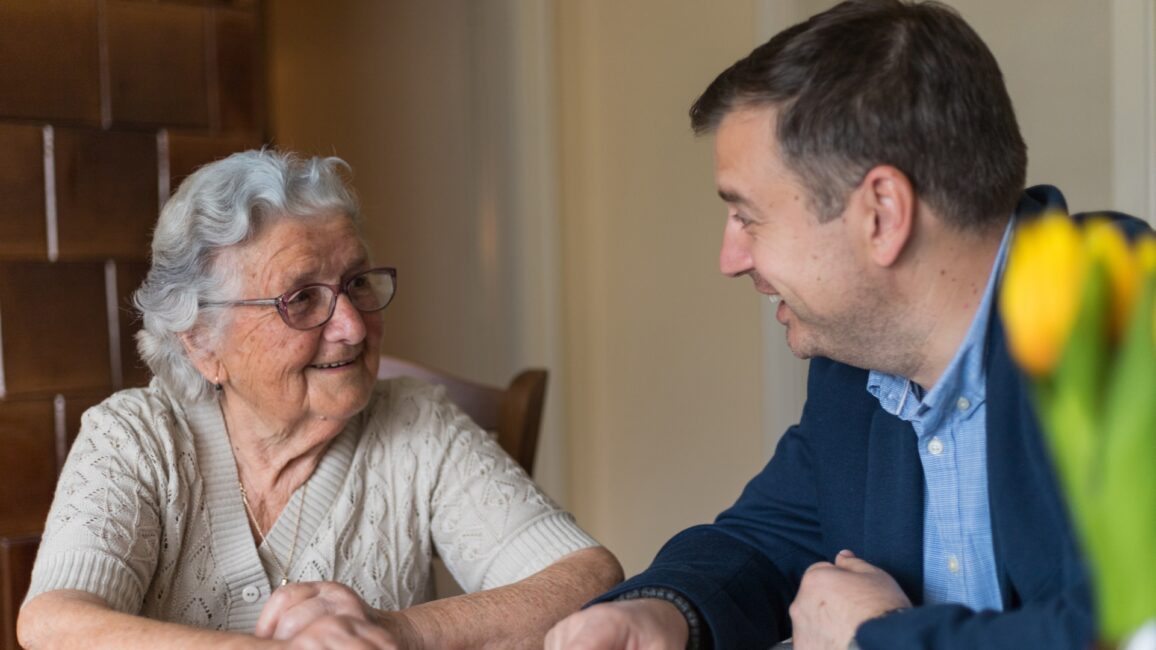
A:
950	423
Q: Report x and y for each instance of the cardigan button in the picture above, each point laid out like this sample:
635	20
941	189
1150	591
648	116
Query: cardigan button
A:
251	594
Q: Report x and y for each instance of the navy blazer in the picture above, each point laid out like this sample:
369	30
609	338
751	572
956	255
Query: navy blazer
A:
848	476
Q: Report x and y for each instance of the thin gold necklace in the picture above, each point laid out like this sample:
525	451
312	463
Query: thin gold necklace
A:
296	529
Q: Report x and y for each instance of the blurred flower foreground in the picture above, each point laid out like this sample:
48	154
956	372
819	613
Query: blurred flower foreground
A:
1077	304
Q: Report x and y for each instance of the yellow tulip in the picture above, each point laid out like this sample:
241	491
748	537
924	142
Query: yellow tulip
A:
1146	254
1041	290
1079	305
1105	242
1146	260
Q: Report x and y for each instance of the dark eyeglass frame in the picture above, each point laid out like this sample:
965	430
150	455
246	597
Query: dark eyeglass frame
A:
281	301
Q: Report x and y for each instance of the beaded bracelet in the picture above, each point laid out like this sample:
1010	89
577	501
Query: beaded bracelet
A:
693	622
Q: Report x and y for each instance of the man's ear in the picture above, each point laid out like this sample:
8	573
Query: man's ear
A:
888	201
202	356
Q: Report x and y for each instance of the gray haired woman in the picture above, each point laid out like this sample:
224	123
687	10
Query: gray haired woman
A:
265	490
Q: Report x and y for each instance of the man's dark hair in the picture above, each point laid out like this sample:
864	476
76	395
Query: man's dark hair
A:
873	82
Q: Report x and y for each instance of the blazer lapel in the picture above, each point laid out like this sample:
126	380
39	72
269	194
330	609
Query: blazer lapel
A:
893	510
1034	548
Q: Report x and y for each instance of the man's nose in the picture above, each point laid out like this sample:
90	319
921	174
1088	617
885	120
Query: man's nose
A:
734	258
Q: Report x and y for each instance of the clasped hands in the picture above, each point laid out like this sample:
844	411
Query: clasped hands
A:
323	615
833	600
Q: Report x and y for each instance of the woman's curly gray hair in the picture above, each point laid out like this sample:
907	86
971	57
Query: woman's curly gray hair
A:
222	204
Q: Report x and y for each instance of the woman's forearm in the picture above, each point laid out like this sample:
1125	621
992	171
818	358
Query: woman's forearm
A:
77	619
517	615
514	616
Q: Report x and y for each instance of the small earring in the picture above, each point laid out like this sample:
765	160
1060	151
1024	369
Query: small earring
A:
217	384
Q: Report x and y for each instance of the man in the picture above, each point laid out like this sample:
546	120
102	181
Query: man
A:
871	165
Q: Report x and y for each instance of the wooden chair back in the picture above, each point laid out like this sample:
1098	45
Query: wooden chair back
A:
512	412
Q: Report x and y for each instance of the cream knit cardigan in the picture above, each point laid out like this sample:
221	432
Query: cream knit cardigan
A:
147	514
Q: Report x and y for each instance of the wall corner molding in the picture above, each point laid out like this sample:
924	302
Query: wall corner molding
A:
1134	107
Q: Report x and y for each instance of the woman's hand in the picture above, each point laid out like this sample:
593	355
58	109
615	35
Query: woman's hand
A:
338	632
329	614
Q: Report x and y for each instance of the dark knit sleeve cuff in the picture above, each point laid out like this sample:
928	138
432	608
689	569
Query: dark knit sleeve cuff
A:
694	639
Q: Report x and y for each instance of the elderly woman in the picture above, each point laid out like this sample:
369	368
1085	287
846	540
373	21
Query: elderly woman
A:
265	482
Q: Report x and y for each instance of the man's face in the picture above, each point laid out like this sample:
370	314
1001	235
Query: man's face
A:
771	234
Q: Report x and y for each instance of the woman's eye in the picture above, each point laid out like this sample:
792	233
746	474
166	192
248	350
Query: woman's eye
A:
301	297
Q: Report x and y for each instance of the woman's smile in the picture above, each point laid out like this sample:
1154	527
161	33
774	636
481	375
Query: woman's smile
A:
333	365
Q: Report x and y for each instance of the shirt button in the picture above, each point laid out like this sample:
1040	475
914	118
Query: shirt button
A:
935	446
962	403
250	594
953	564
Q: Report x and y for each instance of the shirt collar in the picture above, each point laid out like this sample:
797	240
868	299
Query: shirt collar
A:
963	385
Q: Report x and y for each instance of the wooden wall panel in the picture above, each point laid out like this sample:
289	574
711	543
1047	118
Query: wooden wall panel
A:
129	276
22	226
16	557
50	57
239	75
55	328
106	193
190	150
28	463
121	98
155	46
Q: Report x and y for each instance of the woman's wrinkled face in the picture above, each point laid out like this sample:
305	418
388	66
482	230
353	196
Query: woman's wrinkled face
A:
283	375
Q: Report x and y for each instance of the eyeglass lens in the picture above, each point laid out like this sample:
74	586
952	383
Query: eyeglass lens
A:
312	306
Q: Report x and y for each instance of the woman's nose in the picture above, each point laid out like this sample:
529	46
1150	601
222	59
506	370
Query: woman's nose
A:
347	323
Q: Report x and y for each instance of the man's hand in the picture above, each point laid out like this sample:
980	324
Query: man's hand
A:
329	614
642	624
834	599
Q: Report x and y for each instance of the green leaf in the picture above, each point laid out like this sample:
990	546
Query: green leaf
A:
1124	487
1071	402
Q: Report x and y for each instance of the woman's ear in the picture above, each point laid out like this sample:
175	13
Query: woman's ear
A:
202	357
889	203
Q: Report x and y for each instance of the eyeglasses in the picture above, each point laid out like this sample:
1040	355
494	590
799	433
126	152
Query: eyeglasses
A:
312	305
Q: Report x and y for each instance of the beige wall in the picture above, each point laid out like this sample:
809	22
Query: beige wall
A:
663	351
529	167
396	89
1056	58
444	110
